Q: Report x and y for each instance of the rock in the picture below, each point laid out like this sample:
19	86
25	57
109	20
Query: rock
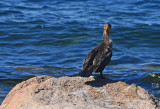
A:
45	92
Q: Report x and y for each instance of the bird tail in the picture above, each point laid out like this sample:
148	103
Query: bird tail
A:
83	73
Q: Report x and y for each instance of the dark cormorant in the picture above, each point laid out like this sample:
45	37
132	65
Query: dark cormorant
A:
99	56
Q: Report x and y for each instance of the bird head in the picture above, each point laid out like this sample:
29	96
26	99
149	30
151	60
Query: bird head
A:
107	26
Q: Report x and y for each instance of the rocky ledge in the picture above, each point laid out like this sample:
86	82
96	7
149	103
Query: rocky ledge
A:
45	92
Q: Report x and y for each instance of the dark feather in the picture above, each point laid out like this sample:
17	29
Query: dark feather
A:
97	58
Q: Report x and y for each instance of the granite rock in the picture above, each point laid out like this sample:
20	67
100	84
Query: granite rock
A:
46	92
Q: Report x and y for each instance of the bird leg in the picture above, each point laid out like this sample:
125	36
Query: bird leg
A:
101	75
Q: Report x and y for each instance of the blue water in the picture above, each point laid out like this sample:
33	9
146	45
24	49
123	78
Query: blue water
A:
43	37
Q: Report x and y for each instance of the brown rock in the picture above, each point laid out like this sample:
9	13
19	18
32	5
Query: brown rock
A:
45	92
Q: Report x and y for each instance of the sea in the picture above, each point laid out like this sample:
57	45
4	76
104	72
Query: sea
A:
52	37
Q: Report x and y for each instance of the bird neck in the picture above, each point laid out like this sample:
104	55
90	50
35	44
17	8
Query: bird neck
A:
106	37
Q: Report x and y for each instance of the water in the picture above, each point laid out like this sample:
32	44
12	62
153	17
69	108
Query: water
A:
40	37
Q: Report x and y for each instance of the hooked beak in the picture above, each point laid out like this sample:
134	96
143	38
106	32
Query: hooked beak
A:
107	28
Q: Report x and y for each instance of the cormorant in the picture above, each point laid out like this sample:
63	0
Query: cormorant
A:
99	56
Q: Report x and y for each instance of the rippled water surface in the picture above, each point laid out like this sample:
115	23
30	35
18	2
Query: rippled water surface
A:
43	37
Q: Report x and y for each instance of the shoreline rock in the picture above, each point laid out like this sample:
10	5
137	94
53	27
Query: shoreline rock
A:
46	92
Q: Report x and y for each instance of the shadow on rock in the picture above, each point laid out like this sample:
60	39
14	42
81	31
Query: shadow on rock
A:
100	82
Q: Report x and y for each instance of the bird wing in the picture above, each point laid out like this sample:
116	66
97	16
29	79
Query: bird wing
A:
88	61
101	59
95	57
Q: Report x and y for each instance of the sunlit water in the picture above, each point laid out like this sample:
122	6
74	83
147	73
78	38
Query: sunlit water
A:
43	37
